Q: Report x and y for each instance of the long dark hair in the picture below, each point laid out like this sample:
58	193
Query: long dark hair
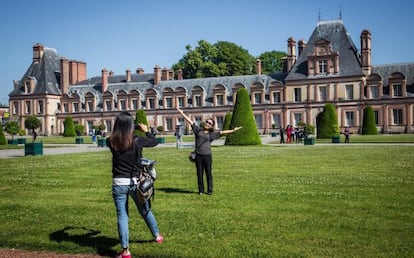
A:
122	136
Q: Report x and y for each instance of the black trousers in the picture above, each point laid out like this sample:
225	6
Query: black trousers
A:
204	164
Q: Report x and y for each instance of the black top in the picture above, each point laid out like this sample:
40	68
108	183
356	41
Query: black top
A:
125	164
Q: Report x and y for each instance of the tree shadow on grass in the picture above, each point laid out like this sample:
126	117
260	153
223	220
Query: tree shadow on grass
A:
86	237
175	190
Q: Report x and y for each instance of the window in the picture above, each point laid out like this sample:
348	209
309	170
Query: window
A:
298	118
122	104
322	93
90	106
40	107
376	116
168	102
197	101
349	118
219	100
151	103
28	107
220	121
65	107
323	67
298	95
397	116
257	98
134	104
258	119
75	107
108	105
349	92
276	120
397	89
181	101
374	92
276	97
168	124
108	125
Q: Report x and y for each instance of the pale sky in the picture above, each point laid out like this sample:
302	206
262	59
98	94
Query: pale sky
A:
127	34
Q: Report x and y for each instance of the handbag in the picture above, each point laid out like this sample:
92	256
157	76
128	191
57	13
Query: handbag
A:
192	156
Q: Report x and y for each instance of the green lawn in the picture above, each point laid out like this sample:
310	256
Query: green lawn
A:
268	201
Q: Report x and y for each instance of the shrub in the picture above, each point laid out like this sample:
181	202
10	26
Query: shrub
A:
2	136
327	122
227	121
140	118
368	125
69	127
79	129
12	127
32	123
243	116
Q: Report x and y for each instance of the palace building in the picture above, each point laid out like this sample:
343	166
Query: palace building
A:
328	68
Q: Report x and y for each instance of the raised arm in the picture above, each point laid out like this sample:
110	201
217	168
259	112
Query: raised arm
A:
184	115
231	131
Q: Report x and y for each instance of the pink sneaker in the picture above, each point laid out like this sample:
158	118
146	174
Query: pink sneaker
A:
159	239
121	255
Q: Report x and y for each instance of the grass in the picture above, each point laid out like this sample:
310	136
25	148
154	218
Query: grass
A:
268	201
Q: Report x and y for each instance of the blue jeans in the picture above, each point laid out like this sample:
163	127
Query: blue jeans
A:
121	194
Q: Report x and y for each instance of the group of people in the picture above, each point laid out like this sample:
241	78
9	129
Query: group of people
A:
126	149
293	134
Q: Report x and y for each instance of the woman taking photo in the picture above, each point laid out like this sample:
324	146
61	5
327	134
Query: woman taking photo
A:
204	135
126	151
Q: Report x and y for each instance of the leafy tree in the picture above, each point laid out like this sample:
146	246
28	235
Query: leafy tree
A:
32	123
243	116
79	129
69	127
368	125
12	127
140	118
220	59
227	121
3	140
327	122
272	61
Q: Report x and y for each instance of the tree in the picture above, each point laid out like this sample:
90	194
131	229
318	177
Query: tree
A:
3	140
243	116
221	59
327	123
69	127
12	127
140	118
272	61
32	123
368	125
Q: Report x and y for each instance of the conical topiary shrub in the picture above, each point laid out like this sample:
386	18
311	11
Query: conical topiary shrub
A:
243	116
368	126
140	118
327	122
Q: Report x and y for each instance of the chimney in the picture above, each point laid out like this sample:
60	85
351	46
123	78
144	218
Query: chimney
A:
73	72
128	75
157	75
164	74
104	80
171	74
111	73
291	58
366	52
38	51
82	74
301	46
258	67
180	74
284	64
140	70
64	75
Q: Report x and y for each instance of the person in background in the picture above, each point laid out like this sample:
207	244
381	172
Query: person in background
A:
282	134
346	133
126	149
178	134
204	135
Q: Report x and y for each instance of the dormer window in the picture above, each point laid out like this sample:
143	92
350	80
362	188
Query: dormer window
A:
323	60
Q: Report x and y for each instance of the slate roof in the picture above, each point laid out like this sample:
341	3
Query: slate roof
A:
341	42
46	74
